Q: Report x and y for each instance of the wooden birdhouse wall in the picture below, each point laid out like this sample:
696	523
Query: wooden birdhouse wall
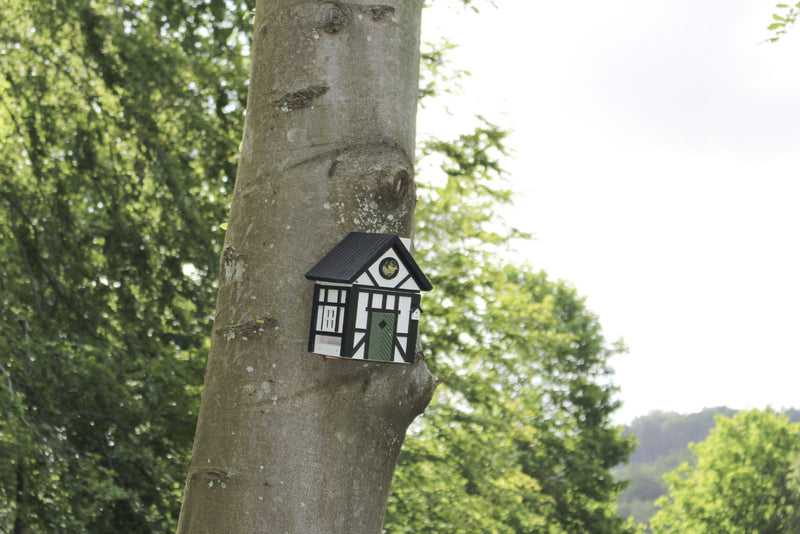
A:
329	321
383	328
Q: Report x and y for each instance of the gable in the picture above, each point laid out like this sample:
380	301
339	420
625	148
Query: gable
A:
395	274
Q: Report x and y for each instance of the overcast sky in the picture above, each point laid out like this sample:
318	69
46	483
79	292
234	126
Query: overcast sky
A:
658	164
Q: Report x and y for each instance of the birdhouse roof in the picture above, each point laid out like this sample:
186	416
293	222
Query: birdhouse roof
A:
357	252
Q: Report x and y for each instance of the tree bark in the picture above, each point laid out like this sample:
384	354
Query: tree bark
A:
287	441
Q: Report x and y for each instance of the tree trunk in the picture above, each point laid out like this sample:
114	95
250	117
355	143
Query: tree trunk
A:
287	441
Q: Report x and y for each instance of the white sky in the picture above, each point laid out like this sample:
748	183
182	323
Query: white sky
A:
657	157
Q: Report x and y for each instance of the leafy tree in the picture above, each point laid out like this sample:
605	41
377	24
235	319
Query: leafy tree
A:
119	124
747	480
784	19
518	438
664	439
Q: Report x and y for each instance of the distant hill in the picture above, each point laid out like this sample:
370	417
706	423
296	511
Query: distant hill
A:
664	439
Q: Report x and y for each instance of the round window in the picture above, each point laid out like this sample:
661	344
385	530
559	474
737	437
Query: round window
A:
389	268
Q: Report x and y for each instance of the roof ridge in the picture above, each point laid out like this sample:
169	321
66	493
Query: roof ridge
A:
356	252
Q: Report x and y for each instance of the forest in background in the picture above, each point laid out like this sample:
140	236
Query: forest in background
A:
664	439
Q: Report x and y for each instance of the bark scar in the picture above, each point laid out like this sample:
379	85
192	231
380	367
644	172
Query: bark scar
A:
249	329
378	12
335	18
216	478
300	99
232	265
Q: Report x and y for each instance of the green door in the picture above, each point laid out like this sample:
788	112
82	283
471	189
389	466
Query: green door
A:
381	336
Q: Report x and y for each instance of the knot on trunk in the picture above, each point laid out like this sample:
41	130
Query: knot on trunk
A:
397	187
374	187
378	12
332	17
328	17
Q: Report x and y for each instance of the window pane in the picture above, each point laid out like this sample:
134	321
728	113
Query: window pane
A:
329	322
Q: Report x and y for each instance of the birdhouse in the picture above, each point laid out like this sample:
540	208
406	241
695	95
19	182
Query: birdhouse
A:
366	300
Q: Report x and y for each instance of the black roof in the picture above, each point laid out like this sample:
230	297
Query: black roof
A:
356	252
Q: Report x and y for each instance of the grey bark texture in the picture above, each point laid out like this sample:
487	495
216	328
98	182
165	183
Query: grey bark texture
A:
287	441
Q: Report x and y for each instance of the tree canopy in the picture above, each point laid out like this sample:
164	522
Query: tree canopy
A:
746	480
518	438
664	439
120	125
783	19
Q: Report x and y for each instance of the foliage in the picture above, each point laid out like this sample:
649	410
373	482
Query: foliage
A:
663	445
747	480
783	19
518	437
437	74
664	439
119	124
647	484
